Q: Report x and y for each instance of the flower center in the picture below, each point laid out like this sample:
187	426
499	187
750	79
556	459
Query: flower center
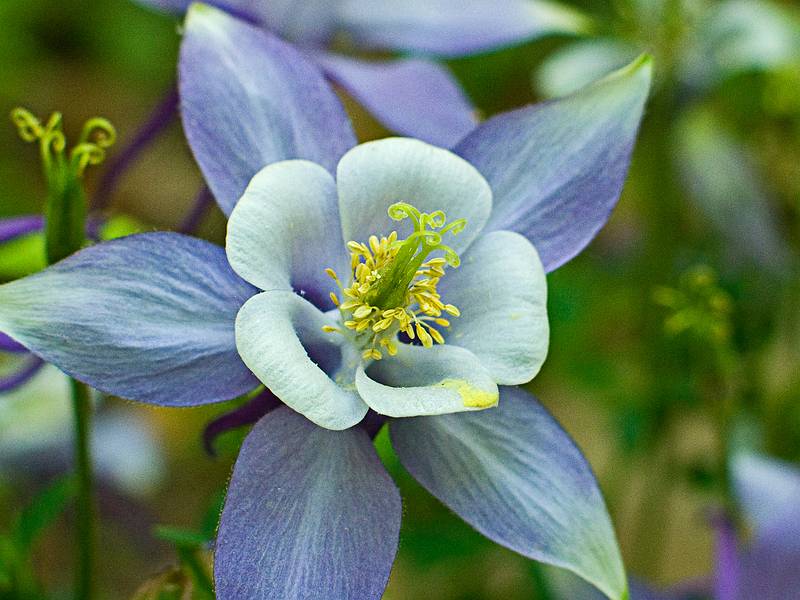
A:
393	286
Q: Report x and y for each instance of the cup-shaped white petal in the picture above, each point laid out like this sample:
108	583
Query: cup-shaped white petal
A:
427	381
373	176
501	290
285	231
279	337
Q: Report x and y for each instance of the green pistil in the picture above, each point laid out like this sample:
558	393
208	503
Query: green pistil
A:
392	287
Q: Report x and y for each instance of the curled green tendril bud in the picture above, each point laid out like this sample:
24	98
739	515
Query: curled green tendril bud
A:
455	227
450	255
427	237
97	135
29	127
84	155
435	219
100	132
403	210
65	208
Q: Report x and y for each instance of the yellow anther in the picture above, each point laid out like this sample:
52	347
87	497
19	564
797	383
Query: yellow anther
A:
382	325
372	353
450	309
329	328
374	244
423	336
362	312
393	288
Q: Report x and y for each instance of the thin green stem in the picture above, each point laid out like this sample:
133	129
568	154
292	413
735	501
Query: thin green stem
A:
65	234
85	508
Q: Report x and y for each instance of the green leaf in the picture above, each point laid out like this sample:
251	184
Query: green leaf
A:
121	225
44	509
22	256
181	538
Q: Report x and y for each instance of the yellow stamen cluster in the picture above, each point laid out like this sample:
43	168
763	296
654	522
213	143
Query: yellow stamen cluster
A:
420	306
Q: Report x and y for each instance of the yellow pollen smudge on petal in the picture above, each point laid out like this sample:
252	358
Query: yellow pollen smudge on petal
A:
471	396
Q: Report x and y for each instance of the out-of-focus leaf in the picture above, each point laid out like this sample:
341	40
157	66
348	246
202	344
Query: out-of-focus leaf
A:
183	538
725	187
739	36
17	577
22	256
44	509
120	226
210	521
570	68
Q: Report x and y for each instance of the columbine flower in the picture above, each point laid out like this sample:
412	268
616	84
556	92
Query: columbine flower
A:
411	96
164	318
386	268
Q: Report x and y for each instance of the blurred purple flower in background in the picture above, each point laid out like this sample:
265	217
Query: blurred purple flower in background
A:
311	512
762	565
412	96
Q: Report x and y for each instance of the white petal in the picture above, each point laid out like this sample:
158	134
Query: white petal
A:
279	336
373	176
285	231
501	290
427	381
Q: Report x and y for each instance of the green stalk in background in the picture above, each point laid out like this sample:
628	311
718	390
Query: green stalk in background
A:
65	233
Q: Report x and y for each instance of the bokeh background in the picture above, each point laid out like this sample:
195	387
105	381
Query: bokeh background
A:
682	318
